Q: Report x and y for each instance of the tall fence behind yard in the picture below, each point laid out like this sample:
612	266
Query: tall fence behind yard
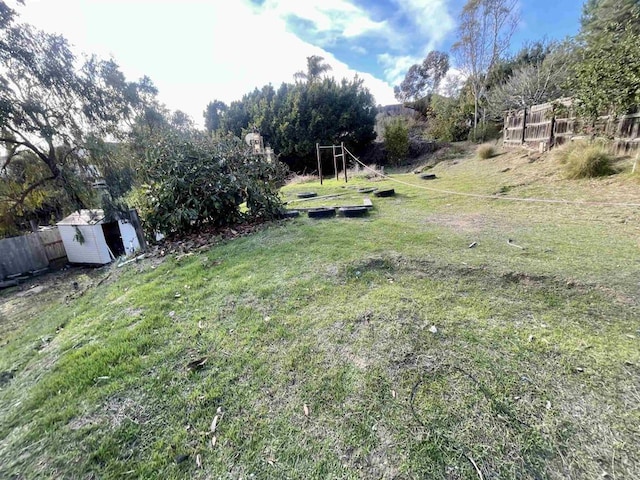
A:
29	253
545	126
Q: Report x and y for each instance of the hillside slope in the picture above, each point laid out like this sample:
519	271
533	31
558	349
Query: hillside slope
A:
381	347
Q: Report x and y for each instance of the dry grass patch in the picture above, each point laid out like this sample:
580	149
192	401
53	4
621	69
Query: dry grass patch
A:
585	160
486	151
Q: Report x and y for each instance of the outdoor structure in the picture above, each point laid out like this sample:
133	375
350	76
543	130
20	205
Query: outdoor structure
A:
339	153
89	239
551	124
30	254
256	142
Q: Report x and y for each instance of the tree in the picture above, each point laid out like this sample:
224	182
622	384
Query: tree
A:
315	68
607	77
484	35
294	117
449	117
601	16
213	115
396	140
50	103
536	79
193	181
423	79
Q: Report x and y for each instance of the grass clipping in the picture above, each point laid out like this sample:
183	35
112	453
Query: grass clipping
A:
585	160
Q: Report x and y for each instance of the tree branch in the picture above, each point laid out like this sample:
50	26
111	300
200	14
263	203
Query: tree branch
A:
31	188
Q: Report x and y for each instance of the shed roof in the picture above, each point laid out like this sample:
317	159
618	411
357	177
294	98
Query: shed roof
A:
83	217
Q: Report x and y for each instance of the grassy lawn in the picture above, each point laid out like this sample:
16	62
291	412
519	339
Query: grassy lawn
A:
381	347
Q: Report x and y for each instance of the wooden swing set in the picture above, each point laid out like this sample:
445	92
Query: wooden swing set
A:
338	152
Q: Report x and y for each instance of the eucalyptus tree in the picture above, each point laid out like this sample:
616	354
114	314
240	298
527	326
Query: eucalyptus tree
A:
52	102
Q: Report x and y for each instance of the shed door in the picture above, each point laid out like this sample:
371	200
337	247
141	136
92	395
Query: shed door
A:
112	237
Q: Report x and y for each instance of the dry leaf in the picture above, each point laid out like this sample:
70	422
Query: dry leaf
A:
393	393
200	325
214	424
214	440
197	364
306	410
199	461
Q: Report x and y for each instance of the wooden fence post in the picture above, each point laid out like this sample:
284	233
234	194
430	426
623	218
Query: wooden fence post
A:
319	164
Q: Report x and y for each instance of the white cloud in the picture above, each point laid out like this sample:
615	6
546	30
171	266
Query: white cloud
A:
396	66
337	16
194	52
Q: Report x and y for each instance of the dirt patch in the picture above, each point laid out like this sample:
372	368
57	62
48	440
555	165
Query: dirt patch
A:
114	412
463	223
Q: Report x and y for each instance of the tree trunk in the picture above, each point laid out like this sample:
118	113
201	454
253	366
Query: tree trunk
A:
475	118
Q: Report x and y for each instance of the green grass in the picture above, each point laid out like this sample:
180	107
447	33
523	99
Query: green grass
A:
531	372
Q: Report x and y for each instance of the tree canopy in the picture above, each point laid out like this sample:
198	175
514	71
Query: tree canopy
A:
423	78
52	103
296	116
606	78
315	68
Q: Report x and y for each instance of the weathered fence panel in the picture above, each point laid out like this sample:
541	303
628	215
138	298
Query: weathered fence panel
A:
627	138
539	125
545	126
21	254
52	243
514	127
28	253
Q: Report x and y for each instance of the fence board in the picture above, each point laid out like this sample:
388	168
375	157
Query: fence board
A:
52	243
35	251
22	254
538	124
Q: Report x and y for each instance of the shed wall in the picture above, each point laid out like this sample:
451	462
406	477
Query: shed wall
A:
129	237
93	250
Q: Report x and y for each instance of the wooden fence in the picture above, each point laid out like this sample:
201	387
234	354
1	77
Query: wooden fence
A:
28	253
545	126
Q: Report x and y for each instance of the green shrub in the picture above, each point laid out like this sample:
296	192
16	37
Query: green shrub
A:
585	160
486	151
194	181
396	140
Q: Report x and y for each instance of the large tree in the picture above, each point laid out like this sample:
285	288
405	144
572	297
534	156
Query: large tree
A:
315	68
484	35
532	79
51	102
606	79
423	78
296	116
214	114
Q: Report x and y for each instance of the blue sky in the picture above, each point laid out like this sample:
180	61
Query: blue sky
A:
196	51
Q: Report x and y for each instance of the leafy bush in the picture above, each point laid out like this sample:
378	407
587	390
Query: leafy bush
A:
193	181
585	160
486	151
396	140
448	121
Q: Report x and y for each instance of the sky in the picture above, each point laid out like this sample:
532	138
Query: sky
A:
196	51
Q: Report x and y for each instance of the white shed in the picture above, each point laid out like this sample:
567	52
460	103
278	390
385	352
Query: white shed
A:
88	238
